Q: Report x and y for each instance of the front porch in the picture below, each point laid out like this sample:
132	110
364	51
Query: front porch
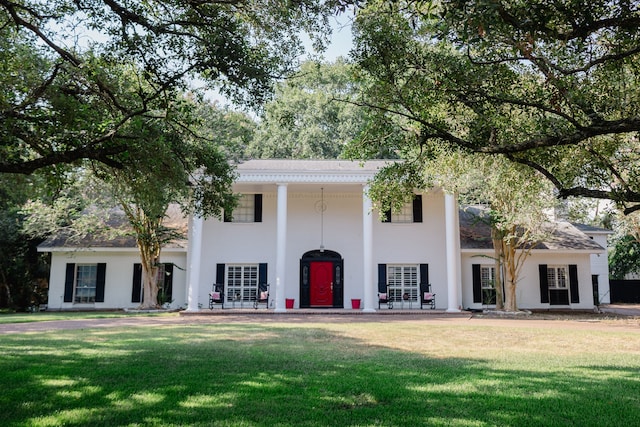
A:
322	312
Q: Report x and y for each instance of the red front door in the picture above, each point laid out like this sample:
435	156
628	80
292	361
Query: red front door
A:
321	284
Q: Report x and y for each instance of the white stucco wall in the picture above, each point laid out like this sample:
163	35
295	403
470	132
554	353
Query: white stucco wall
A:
118	277
528	287
417	243
340	230
600	267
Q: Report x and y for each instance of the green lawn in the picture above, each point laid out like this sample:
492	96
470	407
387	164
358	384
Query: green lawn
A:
357	373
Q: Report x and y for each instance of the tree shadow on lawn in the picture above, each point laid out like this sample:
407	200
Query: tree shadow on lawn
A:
247	375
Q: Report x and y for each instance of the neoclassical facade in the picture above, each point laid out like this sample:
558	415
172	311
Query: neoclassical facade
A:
307	231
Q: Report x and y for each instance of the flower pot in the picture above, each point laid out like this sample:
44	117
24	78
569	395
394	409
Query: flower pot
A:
288	302
355	303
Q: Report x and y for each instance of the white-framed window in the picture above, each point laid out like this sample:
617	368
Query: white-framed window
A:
488	284
402	281
557	276
408	213
242	282
86	280
404	215
245	210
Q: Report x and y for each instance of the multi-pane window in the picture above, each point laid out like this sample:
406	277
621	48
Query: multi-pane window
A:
404	215
245	210
86	281
557	277
487	284
408	212
402	281
242	282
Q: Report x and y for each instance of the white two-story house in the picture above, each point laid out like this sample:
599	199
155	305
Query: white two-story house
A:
308	230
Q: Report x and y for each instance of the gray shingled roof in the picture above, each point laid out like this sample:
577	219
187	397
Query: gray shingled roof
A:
476	234
590	229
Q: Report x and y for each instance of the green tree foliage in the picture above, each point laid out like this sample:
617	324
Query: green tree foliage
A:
174	165
23	271
511	198
624	258
312	115
233	130
146	189
63	101
550	84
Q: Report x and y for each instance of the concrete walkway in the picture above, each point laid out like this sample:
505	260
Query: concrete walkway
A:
621	309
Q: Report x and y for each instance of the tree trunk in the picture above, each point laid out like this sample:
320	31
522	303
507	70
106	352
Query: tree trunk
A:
498	257
149	257
511	275
149	279
7	288
149	240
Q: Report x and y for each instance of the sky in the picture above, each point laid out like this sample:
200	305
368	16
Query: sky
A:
341	40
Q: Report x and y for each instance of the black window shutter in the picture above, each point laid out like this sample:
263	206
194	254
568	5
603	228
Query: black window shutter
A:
544	284
262	273
387	216
100	279
219	274
168	280
136	288
477	283
382	278
424	277
227	216
417	208
257	208
69	279
573	283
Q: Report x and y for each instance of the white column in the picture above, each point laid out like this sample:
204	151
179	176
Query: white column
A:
367	244
281	247
452	235
195	255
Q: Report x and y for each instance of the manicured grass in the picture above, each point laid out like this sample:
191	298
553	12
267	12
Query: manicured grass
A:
357	373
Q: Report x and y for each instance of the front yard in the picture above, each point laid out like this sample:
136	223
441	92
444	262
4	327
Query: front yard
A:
272	370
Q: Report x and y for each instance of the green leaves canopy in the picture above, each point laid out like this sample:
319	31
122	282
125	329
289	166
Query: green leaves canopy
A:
312	115
62	99
550	84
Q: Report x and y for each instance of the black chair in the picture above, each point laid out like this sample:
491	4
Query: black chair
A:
262	296
216	296
427	298
385	298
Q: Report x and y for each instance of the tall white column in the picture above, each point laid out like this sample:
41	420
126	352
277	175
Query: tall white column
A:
195	255
281	247
367	244
452	235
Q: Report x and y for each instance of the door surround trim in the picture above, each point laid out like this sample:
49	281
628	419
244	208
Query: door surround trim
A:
338	268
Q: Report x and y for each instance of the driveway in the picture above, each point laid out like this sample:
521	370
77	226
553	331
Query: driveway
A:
611	316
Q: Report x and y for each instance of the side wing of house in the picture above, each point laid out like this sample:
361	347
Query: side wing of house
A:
557	274
599	261
109	279
548	280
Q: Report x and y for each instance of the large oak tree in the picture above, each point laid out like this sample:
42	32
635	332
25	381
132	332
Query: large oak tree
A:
61	102
550	84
